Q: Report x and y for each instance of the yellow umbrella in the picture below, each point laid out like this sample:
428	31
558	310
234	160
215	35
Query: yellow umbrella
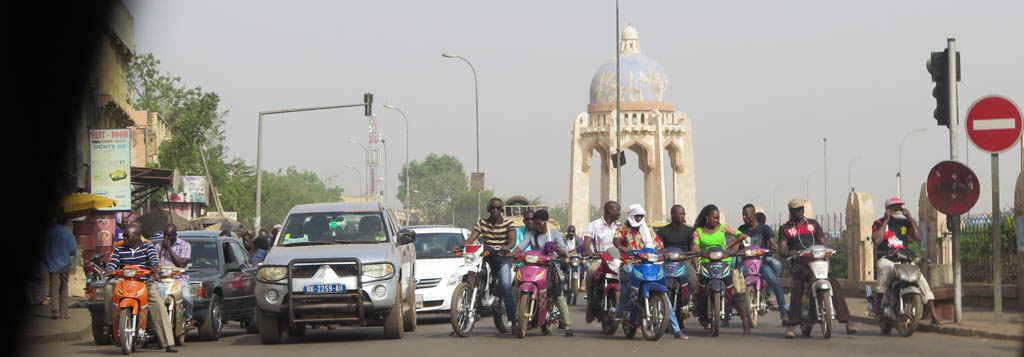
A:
86	201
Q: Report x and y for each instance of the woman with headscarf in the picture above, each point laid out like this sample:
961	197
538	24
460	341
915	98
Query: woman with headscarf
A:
636	235
709	232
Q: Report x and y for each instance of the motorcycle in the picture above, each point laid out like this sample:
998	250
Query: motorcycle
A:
648	302
606	287
817	303
131	312
93	270
757	294
715	288
572	266
478	292
534	306
677	284
173	301
902	305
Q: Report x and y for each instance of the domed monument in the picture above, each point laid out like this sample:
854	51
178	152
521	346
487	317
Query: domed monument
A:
650	127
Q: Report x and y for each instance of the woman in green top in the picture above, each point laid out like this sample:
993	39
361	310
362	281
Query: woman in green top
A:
709	232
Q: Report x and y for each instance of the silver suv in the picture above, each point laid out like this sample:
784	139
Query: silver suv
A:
337	264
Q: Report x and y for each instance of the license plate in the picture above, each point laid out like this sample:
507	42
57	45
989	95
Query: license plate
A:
324	288
419	301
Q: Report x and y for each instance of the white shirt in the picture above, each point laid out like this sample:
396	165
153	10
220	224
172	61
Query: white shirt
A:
602	233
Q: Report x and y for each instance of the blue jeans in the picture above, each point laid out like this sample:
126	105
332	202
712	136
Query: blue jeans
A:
508	294
770	270
186	297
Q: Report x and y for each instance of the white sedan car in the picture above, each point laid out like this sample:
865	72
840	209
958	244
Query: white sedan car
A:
435	264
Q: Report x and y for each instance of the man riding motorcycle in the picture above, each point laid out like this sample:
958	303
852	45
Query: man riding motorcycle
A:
177	252
760	234
800	233
134	251
889	234
600	236
536	239
635	235
497	233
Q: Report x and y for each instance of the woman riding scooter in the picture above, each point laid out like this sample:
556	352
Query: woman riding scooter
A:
709	233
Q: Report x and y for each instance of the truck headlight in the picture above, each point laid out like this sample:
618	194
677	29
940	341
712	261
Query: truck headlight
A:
378	271
272	273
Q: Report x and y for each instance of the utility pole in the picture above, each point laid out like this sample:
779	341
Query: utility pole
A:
824	143
954	125
618	114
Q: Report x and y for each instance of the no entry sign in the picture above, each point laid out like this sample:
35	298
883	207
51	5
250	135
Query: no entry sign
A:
994	124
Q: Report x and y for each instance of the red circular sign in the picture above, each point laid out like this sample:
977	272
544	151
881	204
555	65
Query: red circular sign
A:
952	187
994	124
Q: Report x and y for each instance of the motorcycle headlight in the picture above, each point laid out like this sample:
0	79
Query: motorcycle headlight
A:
166	271
272	273
653	258
130	273
818	253
378	271
615	265
532	259
673	256
716	255
575	261
750	252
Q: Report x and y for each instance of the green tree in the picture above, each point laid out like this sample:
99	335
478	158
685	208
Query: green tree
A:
437	183
283	190
466	208
560	213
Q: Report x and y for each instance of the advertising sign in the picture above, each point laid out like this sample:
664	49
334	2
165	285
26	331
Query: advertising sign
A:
110	160
193	189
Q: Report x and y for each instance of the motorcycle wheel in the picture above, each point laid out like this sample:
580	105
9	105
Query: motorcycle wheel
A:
546	327
462	321
502	321
653	326
753	302
99	333
913	309
825	307
886	327
608	323
715	312
127	334
521	315
573	290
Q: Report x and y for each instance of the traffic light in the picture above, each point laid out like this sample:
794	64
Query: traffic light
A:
938	67
621	156
368	102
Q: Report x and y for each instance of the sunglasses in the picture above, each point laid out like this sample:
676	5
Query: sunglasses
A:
494	208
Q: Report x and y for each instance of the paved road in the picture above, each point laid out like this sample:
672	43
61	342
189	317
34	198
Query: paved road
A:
432	339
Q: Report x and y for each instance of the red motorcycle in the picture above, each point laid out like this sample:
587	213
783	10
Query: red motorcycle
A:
606	279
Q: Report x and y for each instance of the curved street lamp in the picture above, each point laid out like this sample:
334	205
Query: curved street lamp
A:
476	93
362	180
899	173
407	168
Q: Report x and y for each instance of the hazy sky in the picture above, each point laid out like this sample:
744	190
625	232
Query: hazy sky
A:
763	82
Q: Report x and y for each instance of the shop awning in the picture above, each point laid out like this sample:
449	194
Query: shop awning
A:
147	181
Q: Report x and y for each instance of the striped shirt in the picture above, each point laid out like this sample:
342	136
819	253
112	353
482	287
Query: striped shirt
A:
181	249
145	254
494	235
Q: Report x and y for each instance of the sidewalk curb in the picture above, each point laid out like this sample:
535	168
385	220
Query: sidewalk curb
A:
948	330
59	337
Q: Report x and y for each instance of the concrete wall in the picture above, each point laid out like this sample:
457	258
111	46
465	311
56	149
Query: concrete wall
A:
937	248
859	249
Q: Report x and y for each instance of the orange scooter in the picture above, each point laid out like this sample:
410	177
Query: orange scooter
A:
131	298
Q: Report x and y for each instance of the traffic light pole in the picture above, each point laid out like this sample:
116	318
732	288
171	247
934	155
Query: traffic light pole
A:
368	102
954	126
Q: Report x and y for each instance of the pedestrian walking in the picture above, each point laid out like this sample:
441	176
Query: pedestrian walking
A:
58	248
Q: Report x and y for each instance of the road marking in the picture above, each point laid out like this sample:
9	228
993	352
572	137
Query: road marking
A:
994	124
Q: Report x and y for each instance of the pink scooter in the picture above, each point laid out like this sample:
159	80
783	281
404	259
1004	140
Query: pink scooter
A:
757	295
534	308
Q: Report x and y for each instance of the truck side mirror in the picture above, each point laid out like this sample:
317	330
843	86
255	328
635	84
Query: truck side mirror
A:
406	236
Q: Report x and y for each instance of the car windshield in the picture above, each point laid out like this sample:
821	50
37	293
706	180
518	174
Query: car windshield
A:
333	228
437	245
204	254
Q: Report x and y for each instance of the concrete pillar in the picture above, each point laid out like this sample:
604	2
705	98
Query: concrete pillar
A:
1018	213
579	176
859	250
936	248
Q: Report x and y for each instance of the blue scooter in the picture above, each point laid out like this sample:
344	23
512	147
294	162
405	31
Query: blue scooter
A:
649	305
677	284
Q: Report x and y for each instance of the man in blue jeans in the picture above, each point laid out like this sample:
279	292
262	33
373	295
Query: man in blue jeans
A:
759	233
497	233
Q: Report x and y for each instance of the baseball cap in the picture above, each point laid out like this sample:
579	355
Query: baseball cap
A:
893	201
796	203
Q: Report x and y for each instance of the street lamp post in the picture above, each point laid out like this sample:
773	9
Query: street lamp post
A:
366	162
362	180
259	149
849	173
899	173
407	168
385	180
476	93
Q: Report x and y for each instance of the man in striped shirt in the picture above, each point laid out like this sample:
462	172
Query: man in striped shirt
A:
134	251
497	233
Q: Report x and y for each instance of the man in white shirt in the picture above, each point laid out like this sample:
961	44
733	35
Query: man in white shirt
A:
599	237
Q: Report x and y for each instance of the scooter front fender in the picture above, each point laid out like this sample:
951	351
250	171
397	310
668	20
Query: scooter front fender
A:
129	303
649	287
910	289
529	288
821	285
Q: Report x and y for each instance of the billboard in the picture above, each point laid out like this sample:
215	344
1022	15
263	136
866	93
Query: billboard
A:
193	189
110	160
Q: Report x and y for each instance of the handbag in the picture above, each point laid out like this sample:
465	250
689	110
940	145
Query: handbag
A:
739	282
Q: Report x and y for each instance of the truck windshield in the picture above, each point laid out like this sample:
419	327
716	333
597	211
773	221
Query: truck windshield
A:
333	228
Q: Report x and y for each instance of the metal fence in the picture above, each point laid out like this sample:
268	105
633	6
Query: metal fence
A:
976	248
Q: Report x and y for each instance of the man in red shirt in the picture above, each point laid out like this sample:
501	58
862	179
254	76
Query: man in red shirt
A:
891	233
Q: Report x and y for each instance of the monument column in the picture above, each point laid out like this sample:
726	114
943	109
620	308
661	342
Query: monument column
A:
859	249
